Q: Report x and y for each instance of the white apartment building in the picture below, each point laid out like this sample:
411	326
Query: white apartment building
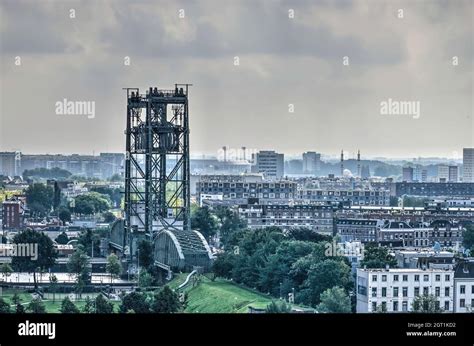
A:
393	290
464	287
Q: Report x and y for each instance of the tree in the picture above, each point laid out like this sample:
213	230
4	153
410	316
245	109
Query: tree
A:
103	306
116	177
426	304
307	234
62	238
64	214
468	238
166	301
4	306
46	254
108	217
36	306
135	302
79	265
53	283
88	306
16	299
145	253
145	279
377	257
278	308
204	221
90	241
91	203
334	300
229	223
114	194
68	307
6	270
113	266
322	276
52	173
39	198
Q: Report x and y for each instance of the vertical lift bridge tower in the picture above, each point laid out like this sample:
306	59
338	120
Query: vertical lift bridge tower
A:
157	176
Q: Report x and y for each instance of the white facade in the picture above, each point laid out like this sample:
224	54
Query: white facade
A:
393	290
464	286
464	295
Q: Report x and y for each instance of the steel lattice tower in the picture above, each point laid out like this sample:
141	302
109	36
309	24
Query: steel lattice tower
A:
157	194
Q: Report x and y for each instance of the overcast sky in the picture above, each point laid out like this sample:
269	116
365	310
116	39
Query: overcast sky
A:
283	61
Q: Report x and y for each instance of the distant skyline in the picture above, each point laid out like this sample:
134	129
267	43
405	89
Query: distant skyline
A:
324	156
284	63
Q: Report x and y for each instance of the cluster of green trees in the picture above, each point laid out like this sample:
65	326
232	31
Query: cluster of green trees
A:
115	194
35	306
222	221
42	199
99	305
91	203
376	256
45	173
162	301
46	253
468	238
279	263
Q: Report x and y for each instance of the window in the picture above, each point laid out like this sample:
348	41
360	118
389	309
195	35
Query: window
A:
438	277
374	291
405	277
374	278
384	306
405	291
446	305
463	289
395	306
446	277
384	291
395	291
395	278
472	289
462	303
426	278
438	291
425	291
384	278
417	277
417	291
405	306
446	291
374	306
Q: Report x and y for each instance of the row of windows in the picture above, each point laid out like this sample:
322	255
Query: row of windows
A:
462	289
251	185
462	303
396	277
396	306
416	291
342	193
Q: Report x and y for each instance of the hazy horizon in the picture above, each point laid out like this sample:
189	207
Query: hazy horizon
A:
283	61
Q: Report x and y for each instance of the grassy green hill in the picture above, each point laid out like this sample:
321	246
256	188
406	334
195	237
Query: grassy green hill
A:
220	296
